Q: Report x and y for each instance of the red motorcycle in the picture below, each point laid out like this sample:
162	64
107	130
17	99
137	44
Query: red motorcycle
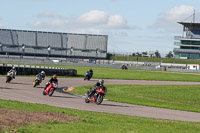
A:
97	97
50	89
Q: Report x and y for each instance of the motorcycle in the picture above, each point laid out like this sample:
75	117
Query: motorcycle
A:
9	76
88	76
50	89
97	97
37	81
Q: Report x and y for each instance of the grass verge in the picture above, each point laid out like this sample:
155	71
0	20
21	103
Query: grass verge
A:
132	74
98	122
166	96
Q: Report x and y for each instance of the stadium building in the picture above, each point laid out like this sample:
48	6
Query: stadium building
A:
52	44
189	43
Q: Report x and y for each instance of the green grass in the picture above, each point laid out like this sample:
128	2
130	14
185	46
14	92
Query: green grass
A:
115	73
133	74
149	59
98	122
166	96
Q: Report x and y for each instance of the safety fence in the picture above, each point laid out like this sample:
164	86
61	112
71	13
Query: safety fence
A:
34	70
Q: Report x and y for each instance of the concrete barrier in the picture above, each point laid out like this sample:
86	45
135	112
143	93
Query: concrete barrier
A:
33	70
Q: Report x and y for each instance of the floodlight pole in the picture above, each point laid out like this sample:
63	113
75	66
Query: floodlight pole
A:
97	51
71	50
49	51
1	47
23	50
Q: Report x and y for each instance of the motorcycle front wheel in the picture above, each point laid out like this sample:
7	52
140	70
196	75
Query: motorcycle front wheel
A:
87	100
34	83
8	79
51	92
44	93
99	99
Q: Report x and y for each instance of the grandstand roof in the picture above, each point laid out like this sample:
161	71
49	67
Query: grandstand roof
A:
190	25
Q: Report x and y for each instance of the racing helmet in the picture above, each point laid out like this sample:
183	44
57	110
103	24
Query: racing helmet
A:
13	68
42	72
54	76
101	81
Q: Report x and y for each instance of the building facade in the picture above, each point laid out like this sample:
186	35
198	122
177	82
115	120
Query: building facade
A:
189	43
52	44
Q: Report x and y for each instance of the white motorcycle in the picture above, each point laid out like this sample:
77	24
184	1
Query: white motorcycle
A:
10	76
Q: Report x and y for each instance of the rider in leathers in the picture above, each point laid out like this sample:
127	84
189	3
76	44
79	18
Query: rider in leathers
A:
14	71
98	85
41	75
54	78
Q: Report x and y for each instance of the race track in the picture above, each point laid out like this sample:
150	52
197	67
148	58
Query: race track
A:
20	89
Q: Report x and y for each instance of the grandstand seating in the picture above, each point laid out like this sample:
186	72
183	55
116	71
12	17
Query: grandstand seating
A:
59	44
5	37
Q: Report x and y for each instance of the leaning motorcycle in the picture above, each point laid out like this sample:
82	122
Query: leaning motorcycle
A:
9	76
88	76
97	97
50	89
37	81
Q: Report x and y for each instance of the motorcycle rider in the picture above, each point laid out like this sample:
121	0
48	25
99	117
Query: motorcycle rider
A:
98	85
54	78
41	75
13	69
88	75
91	72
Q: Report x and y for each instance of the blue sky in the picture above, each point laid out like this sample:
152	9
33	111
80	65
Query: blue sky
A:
131	25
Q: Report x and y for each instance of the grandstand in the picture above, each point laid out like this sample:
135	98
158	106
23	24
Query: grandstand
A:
52	44
189	43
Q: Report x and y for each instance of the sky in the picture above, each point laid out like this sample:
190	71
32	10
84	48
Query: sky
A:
131	25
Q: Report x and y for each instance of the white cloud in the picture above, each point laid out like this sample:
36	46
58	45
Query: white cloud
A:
94	17
167	21
116	22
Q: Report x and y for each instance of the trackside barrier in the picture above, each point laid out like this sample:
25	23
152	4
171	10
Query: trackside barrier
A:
33	70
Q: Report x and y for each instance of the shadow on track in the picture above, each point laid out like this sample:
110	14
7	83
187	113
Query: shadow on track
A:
63	96
39	87
8	88
19	83
113	105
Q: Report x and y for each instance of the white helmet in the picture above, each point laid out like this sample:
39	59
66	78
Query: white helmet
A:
101	81
42	72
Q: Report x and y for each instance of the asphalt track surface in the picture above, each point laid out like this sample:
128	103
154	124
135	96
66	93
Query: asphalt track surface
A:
20	89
